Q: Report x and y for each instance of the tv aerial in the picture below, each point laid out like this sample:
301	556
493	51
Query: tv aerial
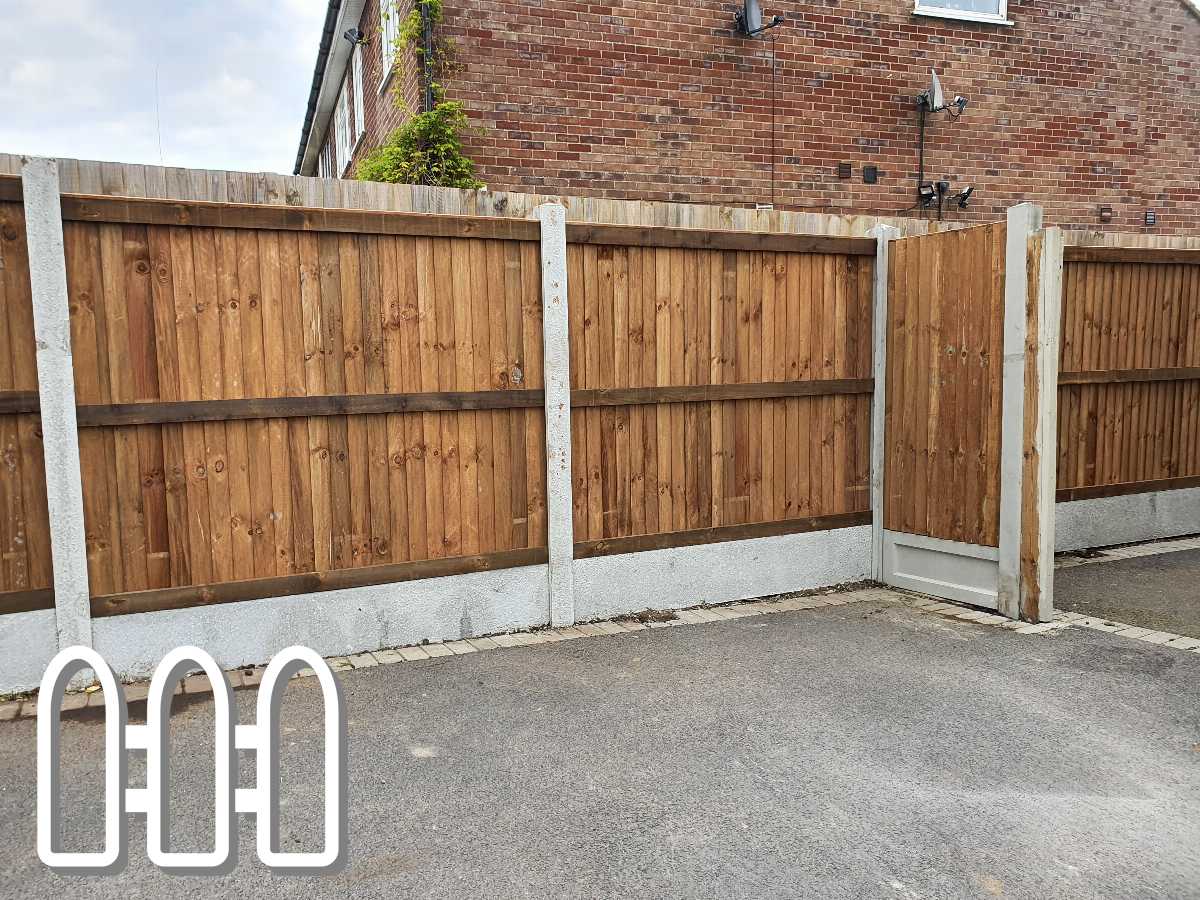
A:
750	20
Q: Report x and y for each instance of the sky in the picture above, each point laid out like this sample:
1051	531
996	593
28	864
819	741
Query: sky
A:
233	80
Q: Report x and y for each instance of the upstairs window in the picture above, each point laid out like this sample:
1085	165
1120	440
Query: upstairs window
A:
389	31
342	130
995	11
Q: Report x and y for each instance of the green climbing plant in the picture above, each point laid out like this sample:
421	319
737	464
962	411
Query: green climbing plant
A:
428	148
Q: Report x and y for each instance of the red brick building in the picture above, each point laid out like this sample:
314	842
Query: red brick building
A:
1089	108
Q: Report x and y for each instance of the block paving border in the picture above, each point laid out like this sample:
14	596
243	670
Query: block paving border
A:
248	677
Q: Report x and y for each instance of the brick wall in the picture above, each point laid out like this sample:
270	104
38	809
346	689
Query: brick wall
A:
1075	106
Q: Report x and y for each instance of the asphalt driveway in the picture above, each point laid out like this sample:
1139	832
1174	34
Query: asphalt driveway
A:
867	750
1159	592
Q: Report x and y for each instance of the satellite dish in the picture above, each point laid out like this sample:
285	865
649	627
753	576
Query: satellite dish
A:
754	19
937	99
750	19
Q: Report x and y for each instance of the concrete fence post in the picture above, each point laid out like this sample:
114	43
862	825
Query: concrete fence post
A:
1023	220
56	391
884	235
559	502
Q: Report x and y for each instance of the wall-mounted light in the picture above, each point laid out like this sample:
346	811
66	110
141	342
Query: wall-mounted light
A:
354	36
1151	218
1106	214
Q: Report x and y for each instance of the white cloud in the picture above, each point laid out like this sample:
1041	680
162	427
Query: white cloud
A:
233	79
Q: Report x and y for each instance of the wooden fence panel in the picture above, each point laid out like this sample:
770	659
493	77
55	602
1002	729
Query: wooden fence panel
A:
175	318
649	324
25	565
1129	395
942	408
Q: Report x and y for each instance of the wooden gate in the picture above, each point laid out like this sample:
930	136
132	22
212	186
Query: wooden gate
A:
968	388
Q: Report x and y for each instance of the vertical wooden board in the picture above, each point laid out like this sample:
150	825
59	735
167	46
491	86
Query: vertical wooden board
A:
295	271
605	378
475	369
412	356
974	315
766	353
914	384
357	455
229	365
592	379
188	351
465	534
716	375
216	455
431	426
947	479
508	429
635	353
14	557
261	524
377	547
333	348
317	427
33	495
143	362
493	372
447	289
162	292
621	376
831	490
535	425
128	523
993	390
702	460
650	379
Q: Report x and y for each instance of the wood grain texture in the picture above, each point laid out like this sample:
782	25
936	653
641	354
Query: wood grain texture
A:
1129	392
716	388
24	521
263	403
942	403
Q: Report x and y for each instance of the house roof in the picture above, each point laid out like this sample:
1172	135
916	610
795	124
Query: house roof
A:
333	56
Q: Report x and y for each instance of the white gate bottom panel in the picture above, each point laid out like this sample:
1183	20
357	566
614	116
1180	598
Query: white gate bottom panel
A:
966	573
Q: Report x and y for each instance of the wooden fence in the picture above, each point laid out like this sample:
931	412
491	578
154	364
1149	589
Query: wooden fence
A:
731	386
1129	396
942	409
275	400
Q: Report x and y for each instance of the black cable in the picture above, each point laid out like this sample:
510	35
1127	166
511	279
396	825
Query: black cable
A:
774	102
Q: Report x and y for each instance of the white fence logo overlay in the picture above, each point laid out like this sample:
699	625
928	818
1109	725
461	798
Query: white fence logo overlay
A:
261	739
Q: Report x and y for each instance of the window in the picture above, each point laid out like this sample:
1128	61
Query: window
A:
360	115
325	160
389	31
971	10
341	129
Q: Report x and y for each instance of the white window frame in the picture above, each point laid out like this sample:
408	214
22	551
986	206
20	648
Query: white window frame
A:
360	112
389	31
341	130
931	8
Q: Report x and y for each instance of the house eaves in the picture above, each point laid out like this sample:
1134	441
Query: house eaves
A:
333	57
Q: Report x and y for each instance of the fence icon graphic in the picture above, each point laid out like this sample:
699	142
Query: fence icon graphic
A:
261	739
